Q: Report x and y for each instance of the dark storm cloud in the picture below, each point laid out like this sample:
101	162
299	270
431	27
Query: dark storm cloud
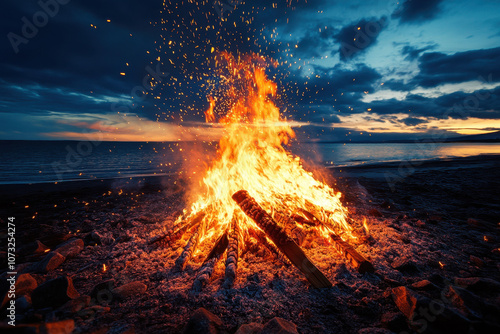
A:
484	104
438	68
412	121
413	11
413	53
320	98
357	38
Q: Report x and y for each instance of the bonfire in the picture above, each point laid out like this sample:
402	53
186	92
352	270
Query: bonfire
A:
255	191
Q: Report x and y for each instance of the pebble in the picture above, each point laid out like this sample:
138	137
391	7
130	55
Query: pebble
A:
70	248
203	322
129	290
279	326
251	328
54	293
48	263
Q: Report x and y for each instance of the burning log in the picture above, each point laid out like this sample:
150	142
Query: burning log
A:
357	260
261	238
232	254
309	220
178	231
291	227
208	265
284	243
188	251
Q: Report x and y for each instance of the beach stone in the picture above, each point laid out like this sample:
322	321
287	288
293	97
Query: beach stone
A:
407	300
424	285
420	223
405	265
53	235
101	239
203	322
23	304
395	321
279	326
75	305
48	263
25	284
479	285
465	301
70	248
59	327
102	292
251	328
54	293
418	309
33	248
129	290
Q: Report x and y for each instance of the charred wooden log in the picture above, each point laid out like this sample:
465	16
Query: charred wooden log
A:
284	243
291	228
178	231
232	254
261	238
309	220
208	265
357	260
188	251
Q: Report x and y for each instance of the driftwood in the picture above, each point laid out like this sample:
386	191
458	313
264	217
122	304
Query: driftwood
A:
284	243
357	260
232	254
178	231
208	265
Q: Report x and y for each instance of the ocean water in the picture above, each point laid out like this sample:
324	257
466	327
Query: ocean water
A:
58	161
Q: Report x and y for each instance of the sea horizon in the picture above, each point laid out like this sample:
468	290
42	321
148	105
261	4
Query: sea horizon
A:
35	161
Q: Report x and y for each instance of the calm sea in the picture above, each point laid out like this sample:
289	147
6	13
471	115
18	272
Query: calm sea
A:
58	161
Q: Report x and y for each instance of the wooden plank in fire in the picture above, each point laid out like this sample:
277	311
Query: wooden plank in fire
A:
208	265
188	251
357	260
178	231
361	264
262	239
285	244
232	254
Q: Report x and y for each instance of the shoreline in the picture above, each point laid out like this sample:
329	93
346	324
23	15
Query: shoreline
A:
375	169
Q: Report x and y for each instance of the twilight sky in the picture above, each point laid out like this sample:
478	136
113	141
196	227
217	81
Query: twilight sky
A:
347	70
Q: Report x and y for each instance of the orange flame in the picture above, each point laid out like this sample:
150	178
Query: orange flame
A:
209	114
251	156
365	226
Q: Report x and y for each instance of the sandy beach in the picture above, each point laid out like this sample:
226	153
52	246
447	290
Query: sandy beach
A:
434	240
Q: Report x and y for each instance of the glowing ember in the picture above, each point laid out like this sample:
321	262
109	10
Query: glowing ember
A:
251	157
